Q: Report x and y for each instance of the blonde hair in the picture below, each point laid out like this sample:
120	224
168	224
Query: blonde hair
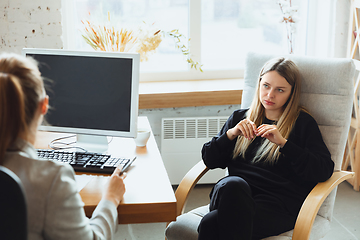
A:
268	151
21	89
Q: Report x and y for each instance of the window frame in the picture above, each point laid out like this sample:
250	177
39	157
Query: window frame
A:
302	41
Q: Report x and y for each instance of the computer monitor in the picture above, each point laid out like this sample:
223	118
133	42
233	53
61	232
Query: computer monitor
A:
92	94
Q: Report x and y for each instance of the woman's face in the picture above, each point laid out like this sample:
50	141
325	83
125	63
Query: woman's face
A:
274	93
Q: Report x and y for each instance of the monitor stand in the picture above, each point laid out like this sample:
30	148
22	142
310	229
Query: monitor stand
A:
92	143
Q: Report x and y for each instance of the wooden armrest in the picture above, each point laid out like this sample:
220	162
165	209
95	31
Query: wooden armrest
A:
313	202
187	184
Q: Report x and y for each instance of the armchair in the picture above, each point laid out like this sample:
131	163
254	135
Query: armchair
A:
327	89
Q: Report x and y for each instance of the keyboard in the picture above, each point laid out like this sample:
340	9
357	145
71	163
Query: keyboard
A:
86	162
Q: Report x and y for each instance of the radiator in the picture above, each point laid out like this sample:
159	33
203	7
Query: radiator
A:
181	143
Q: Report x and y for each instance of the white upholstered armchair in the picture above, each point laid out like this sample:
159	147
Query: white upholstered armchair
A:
327	92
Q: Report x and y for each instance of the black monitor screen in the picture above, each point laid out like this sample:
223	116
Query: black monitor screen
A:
88	92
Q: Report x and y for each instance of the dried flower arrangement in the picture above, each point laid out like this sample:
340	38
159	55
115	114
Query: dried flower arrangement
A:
143	41
289	18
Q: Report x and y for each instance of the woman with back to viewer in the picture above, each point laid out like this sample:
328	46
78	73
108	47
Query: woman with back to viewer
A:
55	209
275	155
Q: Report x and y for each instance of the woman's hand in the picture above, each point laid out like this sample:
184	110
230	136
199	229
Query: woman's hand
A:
115	187
271	133
244	128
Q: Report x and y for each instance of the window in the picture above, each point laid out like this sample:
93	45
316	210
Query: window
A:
221	32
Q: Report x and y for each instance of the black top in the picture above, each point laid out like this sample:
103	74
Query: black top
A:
304	161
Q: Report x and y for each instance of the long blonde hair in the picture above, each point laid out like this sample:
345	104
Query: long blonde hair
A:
21	89
268	151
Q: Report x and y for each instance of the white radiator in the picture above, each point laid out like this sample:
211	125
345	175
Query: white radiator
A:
181	143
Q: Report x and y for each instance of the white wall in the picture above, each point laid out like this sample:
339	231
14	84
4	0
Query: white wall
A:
341	27
31	24
327	31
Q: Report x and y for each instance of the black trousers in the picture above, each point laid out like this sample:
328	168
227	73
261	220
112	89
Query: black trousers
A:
235	213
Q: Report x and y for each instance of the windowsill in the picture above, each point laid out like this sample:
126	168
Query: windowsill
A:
190	93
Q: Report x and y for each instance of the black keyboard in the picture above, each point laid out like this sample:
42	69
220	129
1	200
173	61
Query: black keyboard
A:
86	162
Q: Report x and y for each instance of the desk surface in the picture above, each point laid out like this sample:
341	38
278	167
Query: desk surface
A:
149	196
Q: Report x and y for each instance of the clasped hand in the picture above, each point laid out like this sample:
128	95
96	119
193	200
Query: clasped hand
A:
249	130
